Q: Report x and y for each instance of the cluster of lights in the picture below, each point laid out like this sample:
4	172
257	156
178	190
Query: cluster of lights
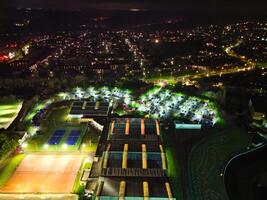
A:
161	103
157	103
46	146
94	94
26	49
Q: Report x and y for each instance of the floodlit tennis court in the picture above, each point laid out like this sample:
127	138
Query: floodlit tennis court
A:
73	137
44	174
55	139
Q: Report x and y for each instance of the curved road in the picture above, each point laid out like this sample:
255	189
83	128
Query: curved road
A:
248	66
245	175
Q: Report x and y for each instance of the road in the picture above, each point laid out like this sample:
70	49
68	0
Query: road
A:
248	66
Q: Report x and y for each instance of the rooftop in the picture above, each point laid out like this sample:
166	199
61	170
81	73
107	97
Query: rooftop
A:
89	109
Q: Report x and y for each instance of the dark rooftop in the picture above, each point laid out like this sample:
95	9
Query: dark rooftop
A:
90	109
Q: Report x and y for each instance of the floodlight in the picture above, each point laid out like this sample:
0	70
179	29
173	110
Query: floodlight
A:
24	145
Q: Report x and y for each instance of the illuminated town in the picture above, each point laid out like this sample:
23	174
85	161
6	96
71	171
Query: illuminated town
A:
120	102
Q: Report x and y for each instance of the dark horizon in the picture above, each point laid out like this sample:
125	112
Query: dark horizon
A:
244	7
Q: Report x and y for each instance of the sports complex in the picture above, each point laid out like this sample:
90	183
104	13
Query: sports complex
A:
74	144
132	162
53	157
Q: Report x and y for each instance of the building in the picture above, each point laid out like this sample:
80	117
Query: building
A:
258	111
180	125
87	110
258	108
133	162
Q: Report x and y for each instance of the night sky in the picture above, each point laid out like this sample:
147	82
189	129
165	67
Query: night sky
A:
192	5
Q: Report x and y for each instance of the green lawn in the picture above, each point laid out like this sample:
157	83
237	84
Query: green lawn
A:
120	111
58	113
25	124
35	109
77	187
9	109
207	159
174	172
90	140
262	65
9	168
170	138
168	78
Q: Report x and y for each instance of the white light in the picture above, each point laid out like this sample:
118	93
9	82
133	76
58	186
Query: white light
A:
46	146
24	145
11	55
64	146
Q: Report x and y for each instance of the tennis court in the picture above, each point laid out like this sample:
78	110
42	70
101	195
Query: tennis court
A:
73	137
55	139
44	174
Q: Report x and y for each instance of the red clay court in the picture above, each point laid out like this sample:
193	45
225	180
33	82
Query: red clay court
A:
44	174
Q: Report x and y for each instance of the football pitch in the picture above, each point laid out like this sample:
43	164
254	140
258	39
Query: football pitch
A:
8	112
44	174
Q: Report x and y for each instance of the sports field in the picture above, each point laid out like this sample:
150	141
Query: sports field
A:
59	138
44	174
39	196
9	110
208	157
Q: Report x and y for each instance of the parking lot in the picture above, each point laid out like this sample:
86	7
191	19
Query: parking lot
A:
161	103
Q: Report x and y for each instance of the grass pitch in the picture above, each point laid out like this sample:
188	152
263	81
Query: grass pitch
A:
9	110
